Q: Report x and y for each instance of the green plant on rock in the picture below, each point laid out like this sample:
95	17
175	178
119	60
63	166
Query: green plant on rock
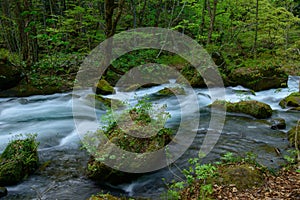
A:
138	129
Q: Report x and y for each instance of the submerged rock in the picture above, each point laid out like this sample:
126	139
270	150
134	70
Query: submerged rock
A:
103	87
19	159
278	123
258	78
254	108
292	135
3	192
293	100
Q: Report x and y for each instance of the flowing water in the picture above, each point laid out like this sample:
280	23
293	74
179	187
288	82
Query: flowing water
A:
62	173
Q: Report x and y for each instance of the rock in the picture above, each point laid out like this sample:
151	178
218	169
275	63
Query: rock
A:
100	172
243	176
254	108
292	135
3	192
278	123
103	87
105	103
258	78
293	100
171	91
19	159
10	76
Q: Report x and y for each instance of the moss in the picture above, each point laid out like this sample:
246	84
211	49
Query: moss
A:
293	100
171	91
19	159
103	87
291	135
254	108
243	176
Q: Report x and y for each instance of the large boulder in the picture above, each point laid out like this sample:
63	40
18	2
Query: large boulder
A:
292	135
3	192
258	78
19	159
10	75
293	100
254	108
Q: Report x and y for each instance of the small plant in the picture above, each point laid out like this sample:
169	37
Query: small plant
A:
198	178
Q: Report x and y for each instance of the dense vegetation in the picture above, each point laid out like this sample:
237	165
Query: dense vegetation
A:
47	40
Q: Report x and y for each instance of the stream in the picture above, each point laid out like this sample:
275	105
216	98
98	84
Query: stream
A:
63	163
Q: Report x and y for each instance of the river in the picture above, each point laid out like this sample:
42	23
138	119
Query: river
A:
62	175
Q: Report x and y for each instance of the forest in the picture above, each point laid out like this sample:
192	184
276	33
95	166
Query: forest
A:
47	40
255	46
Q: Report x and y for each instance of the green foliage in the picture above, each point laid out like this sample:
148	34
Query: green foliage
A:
197	175
13	58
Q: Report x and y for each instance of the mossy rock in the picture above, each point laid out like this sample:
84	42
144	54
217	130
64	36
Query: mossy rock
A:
103	87
19	159
293	100
254	108
292	134
258	78
243	176
171	91
99	172
3	192
104	103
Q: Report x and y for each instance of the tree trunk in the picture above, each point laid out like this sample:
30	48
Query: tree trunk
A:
212	15
110	30
203	18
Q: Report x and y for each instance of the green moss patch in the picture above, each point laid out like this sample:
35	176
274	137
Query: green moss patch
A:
243	176
103	87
